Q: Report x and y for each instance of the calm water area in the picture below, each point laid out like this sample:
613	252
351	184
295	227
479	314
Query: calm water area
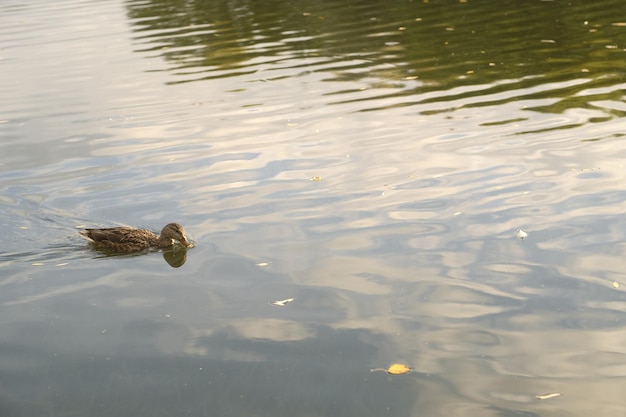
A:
435	183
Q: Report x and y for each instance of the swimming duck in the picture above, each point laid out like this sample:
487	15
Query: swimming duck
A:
128	239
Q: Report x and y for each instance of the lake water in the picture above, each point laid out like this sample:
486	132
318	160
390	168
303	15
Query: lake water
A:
371	160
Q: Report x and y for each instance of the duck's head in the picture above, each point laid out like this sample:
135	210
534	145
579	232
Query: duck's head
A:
177	232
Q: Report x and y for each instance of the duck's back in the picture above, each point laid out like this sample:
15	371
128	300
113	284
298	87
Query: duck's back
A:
121	239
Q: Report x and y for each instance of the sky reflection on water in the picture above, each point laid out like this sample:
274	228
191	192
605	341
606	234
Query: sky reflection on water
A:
371	162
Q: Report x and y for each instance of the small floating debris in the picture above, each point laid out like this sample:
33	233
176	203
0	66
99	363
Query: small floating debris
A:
262	264
548	396
395	369
37	264
616	285
316	179
282	303
521	234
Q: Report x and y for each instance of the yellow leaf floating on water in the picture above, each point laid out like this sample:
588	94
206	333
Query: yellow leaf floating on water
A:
316	179
395	369
615	284
398	369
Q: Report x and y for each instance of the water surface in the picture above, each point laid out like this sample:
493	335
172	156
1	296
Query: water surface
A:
371	160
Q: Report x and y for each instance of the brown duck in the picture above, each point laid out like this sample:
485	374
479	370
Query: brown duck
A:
128	239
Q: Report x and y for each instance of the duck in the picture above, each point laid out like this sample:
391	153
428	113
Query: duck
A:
130	239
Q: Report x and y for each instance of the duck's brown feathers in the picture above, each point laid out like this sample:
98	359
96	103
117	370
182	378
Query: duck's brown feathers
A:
128	239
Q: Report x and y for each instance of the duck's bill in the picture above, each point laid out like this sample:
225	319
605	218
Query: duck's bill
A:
187	244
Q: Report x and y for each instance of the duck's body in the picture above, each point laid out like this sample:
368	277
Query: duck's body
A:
128	239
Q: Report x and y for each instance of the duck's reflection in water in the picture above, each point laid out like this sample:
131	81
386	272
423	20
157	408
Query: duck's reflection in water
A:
175	257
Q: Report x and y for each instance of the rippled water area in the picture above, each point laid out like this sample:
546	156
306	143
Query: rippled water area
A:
371	187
